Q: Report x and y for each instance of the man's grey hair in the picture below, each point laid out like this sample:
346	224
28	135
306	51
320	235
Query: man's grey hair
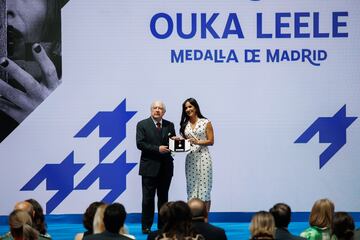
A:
158	101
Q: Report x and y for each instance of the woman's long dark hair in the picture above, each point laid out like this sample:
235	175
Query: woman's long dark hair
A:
39	218
343	226
177	220
88	217
184	117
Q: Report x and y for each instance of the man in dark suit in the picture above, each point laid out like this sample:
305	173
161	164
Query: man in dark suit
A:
200	221
156	162
114	218
282	216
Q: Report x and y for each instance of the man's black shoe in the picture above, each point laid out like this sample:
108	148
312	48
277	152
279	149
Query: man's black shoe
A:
146	230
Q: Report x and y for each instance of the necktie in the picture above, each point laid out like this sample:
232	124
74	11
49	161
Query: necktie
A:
158	126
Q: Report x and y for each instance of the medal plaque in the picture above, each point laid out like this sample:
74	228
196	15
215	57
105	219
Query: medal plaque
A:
179	145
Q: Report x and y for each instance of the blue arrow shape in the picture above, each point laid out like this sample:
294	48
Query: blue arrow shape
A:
331	130
58	177
111	125
111	176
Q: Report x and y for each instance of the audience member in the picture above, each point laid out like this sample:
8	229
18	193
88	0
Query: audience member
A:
25	206
343	226
114	218
20	224
177	222
124	231
262	226
357	234
282	216
200	221
98	222
185	222
321	220
38	217
164	214
99	226
88	219
34	209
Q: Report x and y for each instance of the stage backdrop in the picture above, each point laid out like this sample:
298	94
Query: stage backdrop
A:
278	80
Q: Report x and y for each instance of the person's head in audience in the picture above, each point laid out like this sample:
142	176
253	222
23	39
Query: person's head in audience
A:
114	217
165	211
88	217
322	213
177	220
262	226
38	216
343	226
198	210
21	226
282	215
25	206
98	219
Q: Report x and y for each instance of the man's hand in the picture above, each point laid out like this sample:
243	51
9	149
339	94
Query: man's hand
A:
164	149
177	138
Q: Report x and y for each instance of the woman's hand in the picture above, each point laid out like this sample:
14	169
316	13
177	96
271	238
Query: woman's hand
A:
19	104
194	141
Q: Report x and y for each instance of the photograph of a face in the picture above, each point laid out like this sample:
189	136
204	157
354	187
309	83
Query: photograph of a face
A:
30	57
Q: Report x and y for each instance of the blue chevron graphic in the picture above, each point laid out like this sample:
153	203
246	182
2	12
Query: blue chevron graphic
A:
111	125
111	176
331	130
58	177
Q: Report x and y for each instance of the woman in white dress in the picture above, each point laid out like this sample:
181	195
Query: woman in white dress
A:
198	166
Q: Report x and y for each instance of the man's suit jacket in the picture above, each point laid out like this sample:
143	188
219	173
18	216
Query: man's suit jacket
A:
357	234
209	232
106	236
284	234
148	140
